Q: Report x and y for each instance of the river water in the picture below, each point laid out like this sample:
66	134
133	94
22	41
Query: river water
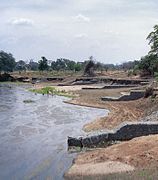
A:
33	136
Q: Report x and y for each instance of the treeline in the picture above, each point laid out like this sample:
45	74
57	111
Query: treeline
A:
147	65
8	64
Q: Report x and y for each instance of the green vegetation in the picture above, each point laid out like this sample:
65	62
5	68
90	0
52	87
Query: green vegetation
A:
153	41
66	64
7	62
148	64
89	68
52	91
43	64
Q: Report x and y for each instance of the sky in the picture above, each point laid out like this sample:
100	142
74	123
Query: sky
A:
112	31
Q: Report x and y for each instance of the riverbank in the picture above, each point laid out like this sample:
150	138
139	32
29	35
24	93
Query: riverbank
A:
98	163
137	156
134	159
118	111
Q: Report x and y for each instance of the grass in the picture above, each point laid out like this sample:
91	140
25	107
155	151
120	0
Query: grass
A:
52	91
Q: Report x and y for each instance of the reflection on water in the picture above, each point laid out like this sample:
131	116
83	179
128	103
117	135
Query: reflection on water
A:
33	135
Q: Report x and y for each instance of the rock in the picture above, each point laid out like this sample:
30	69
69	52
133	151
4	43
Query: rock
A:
75	142
126	131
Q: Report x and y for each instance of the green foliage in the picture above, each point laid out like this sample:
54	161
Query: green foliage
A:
43	64
153	41
149	64
20	66
136	69
33	66
156	76
7	62
65	64
52	91
78	67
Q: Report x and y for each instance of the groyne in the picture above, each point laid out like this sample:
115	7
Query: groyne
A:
134	95
124	132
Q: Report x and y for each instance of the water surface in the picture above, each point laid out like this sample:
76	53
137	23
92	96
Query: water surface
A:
33	136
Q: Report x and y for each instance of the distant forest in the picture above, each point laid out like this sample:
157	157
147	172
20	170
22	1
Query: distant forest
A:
9	64
146	66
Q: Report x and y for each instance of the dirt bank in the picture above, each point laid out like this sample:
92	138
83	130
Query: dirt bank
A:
127	156
139	153
119	111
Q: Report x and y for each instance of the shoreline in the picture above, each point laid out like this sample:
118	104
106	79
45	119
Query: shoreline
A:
116	165
111	120
118	112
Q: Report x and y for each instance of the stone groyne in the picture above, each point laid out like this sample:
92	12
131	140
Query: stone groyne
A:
134	95
124	132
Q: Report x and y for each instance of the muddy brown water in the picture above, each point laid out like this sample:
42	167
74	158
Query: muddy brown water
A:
33	136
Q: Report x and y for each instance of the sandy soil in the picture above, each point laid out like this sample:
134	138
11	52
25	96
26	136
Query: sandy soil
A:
101	168
78	87
119	111
134	154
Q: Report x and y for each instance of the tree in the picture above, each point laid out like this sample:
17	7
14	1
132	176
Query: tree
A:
89	68
70	65
59	64
33	65
153	41
78	67
20	66
64	64
43	64
149	64
7	62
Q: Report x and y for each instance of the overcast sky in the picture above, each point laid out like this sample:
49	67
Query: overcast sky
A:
113	31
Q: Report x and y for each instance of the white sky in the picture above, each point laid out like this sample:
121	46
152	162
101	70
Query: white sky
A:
113	31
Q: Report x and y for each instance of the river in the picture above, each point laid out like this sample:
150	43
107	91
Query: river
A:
33	136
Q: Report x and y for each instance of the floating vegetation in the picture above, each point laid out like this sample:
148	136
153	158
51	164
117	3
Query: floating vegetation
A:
52	91
28	101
